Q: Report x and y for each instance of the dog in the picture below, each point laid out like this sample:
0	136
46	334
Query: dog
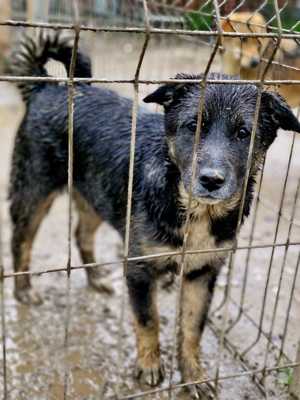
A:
161	185
248	56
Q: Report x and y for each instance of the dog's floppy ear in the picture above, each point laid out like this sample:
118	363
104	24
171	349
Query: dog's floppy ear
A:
167	95
280	112
226	26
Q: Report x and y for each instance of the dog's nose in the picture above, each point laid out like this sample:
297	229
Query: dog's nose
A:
211	179
254	62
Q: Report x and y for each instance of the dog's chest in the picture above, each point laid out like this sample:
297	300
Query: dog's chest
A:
199	244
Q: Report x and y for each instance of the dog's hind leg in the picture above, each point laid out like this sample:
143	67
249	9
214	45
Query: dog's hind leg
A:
197	289
88	222
27	213
142	291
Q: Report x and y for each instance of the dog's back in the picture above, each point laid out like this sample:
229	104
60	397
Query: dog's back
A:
102	132
102	129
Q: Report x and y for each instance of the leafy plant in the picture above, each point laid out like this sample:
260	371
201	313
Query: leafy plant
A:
288	373
201	19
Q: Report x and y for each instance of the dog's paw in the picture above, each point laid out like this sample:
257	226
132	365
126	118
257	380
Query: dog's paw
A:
203	391
28	296
102	285
150	371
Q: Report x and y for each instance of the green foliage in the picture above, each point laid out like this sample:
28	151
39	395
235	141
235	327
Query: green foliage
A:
288	373
200	20
289	16
204	18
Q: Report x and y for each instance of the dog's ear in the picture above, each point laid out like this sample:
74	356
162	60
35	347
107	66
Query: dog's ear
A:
281	113
226	26
167	95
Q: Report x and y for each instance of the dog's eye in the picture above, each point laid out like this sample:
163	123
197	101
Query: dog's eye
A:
244	39
192	126
243	133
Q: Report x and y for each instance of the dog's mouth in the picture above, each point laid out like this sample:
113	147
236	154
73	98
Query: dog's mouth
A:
209	200
202	195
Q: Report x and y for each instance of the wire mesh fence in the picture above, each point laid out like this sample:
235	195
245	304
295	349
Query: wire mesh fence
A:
80	344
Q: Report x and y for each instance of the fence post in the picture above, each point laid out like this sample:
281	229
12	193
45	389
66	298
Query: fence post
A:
295	382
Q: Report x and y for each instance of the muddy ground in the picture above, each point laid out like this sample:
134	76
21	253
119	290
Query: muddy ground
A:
35	336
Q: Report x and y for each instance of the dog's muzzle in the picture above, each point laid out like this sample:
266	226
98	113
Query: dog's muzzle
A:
254	62
211	179
213	185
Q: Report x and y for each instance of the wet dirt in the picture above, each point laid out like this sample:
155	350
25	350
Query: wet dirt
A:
38	363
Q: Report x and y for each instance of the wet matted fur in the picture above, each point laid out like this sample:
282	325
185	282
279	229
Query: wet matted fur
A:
162	180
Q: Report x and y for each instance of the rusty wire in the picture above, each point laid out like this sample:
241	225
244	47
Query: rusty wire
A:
3	324
272	254
239	223
221	378
70	193
226	327
148	257
155	31
280	279
129	197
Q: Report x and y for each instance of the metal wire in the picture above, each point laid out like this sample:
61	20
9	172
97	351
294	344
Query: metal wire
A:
152	31
70	192
273	249
129	198
237	375
189	208
148	257
280	280
148	81
3	323
243	197
226	326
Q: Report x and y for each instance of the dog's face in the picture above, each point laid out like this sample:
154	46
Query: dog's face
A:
225	134
246	51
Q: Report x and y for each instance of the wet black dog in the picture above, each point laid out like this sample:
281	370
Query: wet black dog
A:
162	178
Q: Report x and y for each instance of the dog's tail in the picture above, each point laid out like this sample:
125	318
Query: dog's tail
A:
30	57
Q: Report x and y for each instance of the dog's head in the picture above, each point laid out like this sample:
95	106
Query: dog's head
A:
244	52
226	125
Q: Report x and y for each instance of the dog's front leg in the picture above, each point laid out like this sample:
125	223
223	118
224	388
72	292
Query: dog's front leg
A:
197	289
142	291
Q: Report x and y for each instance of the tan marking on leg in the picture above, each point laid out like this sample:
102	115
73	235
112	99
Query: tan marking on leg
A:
149	366
23	290
172	148
88	222
195	300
